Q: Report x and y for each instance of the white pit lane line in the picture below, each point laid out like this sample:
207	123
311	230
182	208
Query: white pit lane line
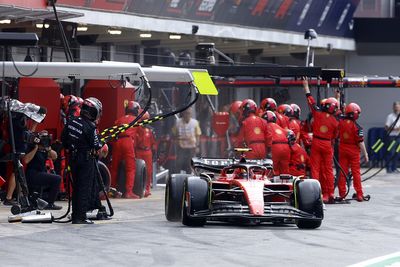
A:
392	260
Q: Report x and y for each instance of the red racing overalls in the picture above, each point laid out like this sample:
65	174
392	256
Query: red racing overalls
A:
145	144
294	125
282	120
351	135
280	149
325	130
299	161
306	134
123	149
252	134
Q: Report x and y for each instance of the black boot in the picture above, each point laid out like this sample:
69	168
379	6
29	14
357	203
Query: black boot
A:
86	221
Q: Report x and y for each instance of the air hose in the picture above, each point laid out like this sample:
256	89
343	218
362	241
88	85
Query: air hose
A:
69	183
112	133
348	177
103	189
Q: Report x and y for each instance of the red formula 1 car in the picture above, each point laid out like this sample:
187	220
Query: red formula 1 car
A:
233	190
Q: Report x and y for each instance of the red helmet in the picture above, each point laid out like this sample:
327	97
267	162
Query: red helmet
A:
235	108
352	111
286	110
296	110
329	105
68	101
268	104
248	106
269	116
133	108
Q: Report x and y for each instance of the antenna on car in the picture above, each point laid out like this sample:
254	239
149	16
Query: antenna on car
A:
242	151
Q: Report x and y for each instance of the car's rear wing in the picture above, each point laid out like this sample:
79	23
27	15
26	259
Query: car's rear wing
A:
217	164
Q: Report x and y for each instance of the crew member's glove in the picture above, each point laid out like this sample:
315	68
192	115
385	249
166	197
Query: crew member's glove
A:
291	137
269	153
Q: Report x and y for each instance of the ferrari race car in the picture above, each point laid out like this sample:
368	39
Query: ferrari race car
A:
241	190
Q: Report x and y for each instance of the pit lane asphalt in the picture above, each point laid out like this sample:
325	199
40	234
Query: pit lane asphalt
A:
139	235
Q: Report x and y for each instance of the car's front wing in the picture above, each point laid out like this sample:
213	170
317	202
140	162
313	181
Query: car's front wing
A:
271	213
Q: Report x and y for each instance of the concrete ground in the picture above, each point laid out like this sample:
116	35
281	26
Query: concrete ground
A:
139	235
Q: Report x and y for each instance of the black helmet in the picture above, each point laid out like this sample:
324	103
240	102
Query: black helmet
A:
91	109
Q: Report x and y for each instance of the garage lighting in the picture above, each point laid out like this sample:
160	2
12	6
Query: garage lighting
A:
82	28
145	35
114	31
5	21
175	36
41	25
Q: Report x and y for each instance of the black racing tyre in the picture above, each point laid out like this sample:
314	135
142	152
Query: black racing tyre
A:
308	198
105	176
173	197
16	209
139	187
198	191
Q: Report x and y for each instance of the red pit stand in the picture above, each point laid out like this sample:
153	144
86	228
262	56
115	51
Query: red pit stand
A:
43	92
113	96
220	125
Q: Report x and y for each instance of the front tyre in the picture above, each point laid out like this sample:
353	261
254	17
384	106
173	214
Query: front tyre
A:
308	199
195	198
174	196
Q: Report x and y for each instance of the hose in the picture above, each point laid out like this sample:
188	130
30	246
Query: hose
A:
348	177
103	188
112	133
69	183
115	131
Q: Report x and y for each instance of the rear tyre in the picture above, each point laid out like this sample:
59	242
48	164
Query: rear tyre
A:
139	187
308	198
195	198
174	196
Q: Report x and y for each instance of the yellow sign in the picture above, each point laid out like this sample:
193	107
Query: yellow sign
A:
204	83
